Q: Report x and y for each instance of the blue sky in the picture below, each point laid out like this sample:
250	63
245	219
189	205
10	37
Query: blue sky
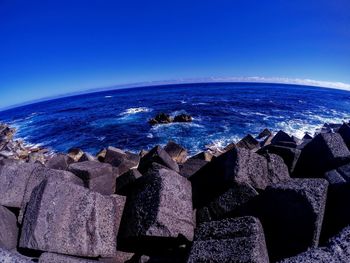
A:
55	47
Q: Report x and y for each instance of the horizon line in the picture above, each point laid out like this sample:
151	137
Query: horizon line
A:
271	80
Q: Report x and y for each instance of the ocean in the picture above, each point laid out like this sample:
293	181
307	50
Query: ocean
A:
222	113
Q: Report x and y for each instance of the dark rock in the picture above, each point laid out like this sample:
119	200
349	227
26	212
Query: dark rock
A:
283	139
183	118
176	152
69	219
38	175
157	155
291	213
325	152
340	244
87	157
75	154
333	177
235	166
317	255
7	256
99	177
248	142
344	132
232	240
121	257
8	229
123	160
264	134
307	136
277	169
289	155
226	203
191	166
125	181
59	162
13	181
158	212
101	155
161	118
205	156
57	258
143	153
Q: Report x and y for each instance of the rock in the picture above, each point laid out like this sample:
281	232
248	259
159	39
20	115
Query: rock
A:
8	229
143	153
277	169
65	218
7	256
183	118
87	157
176	152
205	156
38	175
344	132
121	257
123	160
264	134
289	155
317	255
158	212
101	155
340	244
283	139
125	181
59	162
307	136
99	177
248	142
291	214
325	152
57	258
226	203
235	166
157	155
161	118
75	154
13	181
232	240
191	166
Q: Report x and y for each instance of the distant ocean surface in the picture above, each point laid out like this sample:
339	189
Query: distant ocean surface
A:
222	112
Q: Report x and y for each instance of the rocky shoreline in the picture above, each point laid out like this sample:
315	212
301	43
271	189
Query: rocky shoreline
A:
270	198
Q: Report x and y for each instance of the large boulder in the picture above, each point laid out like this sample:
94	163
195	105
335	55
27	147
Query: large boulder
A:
248	142
158	213
125	182
69	219
8	229
235	166
57	258
59	162
344	132
283	139
231	240
182	118
191	166
227	203
13	181
99	177
123	160
160	156
325	152
289	155
160	118
10	256
291	213
75	153
176	152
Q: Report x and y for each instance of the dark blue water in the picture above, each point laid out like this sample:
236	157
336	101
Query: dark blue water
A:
222	113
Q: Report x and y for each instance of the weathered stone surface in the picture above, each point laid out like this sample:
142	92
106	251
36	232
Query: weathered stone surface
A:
340	244
316	255
176	152
325	152
191	166
226	203
158	212
125	181
121	257
205	156
7	256
123	160
291	213
235	166
57	258
69	219
87	157
289	155
248	142
277	169
101	155
99	177
283	139
59	162
264	134
8	229
344	132
38	175
157	155
13	181
231	240
75	154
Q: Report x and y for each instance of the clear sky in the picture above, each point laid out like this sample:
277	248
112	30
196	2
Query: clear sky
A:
56	46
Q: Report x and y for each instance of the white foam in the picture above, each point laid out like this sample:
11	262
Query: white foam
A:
131	111
108	97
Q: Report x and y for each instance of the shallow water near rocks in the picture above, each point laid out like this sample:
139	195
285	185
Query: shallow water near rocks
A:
222	112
